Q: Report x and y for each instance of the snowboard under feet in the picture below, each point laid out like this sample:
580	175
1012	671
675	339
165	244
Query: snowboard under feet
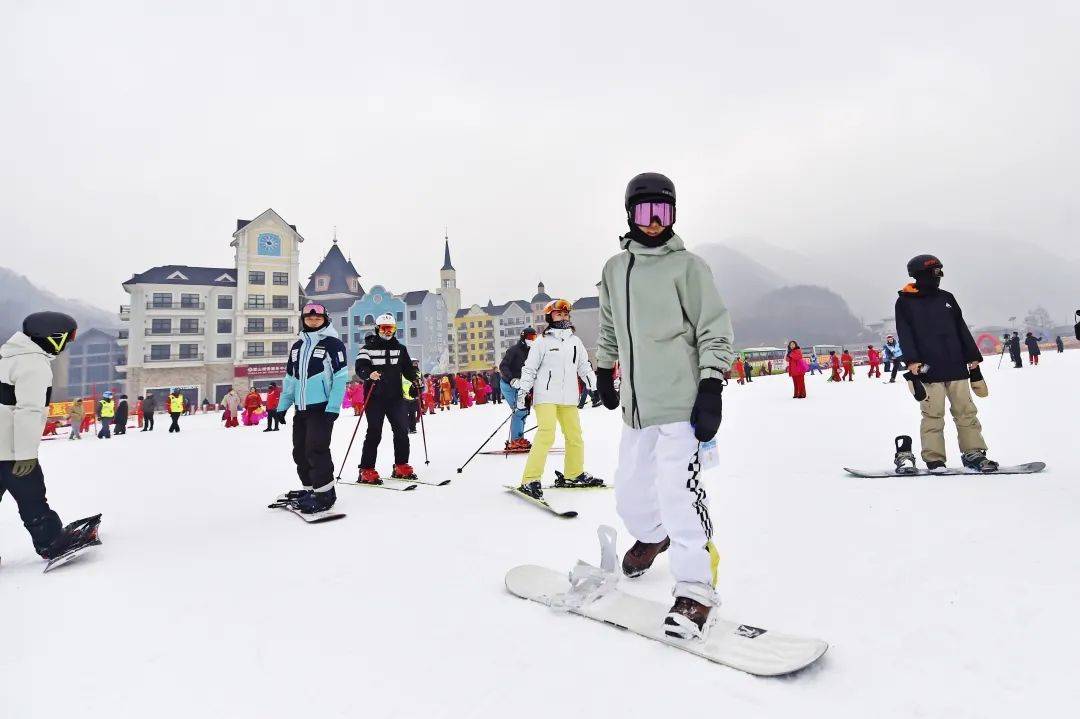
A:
1029	468
86	531
314	518
396	485
542	503
757	651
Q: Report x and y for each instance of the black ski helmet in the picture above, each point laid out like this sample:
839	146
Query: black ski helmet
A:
51	331
649	186
921	263
529	330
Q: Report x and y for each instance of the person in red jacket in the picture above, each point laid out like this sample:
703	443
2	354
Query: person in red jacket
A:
849	366
874	358
737	370
796	367
273	394
834	364
251	406
464	401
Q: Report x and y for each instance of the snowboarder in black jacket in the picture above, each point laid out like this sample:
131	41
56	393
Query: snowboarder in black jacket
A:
382	363
1032	343
510	376
1014	350
940	351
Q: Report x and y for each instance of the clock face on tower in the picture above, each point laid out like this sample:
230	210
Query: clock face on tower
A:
269	245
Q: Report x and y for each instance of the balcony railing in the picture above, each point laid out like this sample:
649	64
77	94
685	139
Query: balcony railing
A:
181	305
125	312
271	306
122	335
266	355
286	330
174	332
197	357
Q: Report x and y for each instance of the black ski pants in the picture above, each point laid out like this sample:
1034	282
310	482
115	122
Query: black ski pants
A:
175	426
272	419
895	368
148	422
29	492
414	413
311	432
395	410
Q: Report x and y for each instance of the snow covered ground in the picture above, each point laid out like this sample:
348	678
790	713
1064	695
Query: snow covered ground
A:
941	597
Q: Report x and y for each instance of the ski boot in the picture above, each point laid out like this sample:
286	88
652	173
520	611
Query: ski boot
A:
904	459
687	619
294	495
936	466
75	536
532	489
315	502
641	556
403	471
582	480
369	476
976	460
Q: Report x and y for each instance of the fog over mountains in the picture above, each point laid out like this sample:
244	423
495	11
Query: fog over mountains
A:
19	297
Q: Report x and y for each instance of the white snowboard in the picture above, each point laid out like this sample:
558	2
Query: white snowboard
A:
750	649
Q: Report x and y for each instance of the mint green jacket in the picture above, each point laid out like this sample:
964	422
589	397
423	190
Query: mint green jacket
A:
663	321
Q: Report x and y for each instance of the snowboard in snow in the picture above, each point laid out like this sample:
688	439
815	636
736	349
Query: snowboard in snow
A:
1029	468
542	503
314	518
87	536
397	485
750	649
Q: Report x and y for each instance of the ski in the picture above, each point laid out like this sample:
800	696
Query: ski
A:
540	503
429	482
313	518
84	534
397	485
578	489
1029	468
750	649
511	452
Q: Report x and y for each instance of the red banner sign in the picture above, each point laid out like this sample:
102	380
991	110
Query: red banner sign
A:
259	370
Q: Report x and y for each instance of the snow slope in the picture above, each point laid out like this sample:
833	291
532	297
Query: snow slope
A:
942	597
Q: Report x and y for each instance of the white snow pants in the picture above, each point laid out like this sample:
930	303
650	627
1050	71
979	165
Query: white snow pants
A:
658	493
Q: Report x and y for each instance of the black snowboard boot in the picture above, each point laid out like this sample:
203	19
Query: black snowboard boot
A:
936	466
582	480
904	459
687	619
641	556
532	489
314	502
80	533
977	460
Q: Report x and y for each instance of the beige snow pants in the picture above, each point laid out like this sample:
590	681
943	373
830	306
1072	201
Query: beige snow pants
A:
964	413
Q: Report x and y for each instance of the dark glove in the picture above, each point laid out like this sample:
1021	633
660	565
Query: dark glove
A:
915	386
708	408
413	391
281	417
605	385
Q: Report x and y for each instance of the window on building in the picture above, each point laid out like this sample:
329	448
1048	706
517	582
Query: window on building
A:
472	324
190	301
189	351
224	350
322	283
98	373
412	332
256	324
400	316
369	320
281	324
255	349
279	349
412	315
75	375
224	327
357	338
356	320
160	352
281	302
160	327
344	320
255	301
162	299
281	279
400	334
354	286
189	327
255	277
224	302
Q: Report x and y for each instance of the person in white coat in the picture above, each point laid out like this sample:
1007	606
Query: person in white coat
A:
556	359
25	391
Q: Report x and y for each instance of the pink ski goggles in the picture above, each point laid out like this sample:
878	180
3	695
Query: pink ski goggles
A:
645	212
313	308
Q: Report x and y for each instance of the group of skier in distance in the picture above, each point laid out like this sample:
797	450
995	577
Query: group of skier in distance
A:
663	328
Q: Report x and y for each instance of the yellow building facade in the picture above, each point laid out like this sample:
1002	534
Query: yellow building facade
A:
474	340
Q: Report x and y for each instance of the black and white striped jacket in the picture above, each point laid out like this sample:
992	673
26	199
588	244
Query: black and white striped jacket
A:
391	360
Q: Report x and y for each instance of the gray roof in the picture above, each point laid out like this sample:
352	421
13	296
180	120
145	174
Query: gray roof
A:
587	303
415	297
241	224
541	297
446	257
339	269
337	305
195	276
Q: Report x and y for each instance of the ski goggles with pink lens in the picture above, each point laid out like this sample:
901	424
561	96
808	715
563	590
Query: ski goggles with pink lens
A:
314	308
645	212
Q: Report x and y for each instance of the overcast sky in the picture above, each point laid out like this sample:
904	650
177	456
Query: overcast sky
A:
135	135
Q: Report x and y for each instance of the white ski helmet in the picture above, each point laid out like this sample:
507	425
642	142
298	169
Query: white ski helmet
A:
386	320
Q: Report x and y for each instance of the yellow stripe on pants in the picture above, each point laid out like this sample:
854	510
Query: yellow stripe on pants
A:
546	417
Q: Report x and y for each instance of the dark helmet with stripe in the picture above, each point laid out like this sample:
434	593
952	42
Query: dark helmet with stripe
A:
51	331
922	263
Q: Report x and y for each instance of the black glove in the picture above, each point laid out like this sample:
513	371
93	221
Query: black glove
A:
708	408
414	392
915	386
281	417
605	385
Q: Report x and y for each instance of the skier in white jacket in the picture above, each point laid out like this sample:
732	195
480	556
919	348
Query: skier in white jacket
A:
25	390
556	359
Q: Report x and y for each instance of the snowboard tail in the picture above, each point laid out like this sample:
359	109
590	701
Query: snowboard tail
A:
1029	468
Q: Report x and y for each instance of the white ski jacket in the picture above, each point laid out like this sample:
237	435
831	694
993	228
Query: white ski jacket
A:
556	359
25	390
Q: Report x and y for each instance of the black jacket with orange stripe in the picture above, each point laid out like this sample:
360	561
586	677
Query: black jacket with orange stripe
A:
932	331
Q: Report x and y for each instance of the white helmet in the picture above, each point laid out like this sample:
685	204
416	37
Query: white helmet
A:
384	320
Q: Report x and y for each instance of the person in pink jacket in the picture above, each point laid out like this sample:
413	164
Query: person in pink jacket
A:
354	395
874	358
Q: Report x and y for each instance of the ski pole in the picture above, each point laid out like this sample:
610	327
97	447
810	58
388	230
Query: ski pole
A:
485	442
349	449
420	408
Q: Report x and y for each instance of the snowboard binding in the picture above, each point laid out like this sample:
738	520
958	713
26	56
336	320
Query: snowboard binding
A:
904	458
